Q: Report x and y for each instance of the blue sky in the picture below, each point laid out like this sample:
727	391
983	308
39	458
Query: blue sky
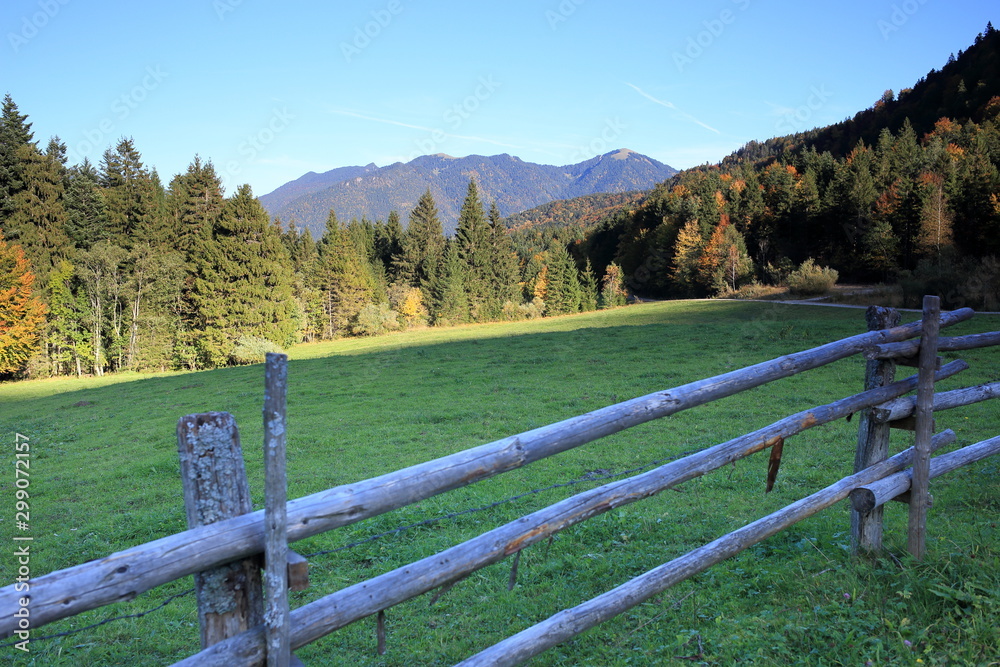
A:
269	91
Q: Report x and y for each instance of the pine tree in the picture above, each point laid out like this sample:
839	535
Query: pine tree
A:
22	315
563	295
474	241
588	288
423	246
38	219
15	134
195	204
390	245
451	302
504	263
244	284
129	198
344	279
85	216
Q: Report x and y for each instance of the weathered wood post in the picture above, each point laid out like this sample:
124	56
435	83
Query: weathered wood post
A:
216	488
925	427
873	437
276	619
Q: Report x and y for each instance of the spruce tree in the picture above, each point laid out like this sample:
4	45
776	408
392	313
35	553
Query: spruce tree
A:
474	240
15	133
588	288
344	279
390	245
423	246
129	197
195	203
85	216
563	295
244	283
504	263
38	219
450	304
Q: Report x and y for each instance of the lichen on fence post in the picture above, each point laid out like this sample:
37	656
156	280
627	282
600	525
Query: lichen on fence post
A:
873	437
275	511
216	488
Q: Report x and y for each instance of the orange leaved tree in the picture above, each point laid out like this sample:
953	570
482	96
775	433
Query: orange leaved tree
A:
22	316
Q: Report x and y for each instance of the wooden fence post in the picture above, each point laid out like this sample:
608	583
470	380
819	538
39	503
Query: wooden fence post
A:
216	488
276	620
873	437
925	427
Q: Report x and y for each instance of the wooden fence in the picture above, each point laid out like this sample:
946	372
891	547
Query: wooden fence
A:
225	544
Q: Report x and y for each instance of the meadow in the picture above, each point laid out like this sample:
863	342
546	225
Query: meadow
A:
105	476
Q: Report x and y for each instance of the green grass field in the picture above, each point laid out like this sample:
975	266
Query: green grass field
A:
105	477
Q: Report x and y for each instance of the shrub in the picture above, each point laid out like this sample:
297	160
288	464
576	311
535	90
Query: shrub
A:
409	303
253	350
812	280
374	320
532	310
754	290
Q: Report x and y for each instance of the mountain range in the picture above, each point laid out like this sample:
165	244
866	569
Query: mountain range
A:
372	192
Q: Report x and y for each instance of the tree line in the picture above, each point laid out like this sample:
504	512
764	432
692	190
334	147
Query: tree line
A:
919	210
103	268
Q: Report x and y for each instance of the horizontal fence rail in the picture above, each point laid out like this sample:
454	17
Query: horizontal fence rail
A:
319	618
128	573
571	622
870	496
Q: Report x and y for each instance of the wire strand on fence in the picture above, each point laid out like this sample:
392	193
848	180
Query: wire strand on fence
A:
588	477
107	620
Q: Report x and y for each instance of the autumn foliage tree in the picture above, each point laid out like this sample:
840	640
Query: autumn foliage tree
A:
22	316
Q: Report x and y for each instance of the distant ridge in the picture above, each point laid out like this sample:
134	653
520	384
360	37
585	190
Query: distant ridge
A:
515	185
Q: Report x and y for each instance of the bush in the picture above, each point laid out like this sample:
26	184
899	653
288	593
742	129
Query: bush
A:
812	280
375	320
253	350
754	290
409	303
958	281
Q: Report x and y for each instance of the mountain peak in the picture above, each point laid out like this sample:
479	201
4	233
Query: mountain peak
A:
513	184
621	154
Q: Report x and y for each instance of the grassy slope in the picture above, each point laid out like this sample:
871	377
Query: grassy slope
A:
105	477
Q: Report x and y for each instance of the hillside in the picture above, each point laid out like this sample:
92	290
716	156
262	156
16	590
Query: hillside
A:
579	212
961	90
907	192
372	192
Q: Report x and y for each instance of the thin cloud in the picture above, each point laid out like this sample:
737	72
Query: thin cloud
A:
422	128
672	107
